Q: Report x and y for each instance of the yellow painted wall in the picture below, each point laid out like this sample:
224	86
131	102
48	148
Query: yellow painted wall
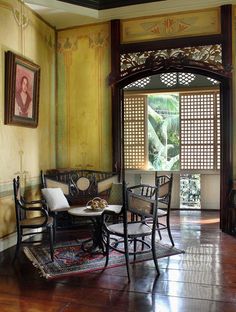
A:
23	33
84	100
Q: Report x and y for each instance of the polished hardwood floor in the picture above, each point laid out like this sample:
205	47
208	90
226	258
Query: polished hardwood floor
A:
203	279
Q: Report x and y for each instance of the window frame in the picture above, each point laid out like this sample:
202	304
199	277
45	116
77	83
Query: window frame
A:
216	91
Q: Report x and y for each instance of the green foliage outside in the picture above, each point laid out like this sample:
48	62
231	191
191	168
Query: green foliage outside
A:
163	132
190	188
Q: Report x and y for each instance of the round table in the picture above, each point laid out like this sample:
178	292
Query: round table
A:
95	216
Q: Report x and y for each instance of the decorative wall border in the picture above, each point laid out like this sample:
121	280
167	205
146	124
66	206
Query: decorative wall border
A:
171	26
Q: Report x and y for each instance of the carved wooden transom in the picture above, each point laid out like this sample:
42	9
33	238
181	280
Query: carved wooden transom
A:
208	56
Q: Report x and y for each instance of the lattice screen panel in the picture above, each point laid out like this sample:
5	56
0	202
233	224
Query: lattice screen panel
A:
218	130
200	130
135	132
197	157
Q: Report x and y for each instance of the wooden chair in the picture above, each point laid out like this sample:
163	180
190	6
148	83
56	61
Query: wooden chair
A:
164	183
24	223
129	236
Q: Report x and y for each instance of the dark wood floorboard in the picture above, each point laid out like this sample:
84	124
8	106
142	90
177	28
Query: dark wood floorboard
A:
202	279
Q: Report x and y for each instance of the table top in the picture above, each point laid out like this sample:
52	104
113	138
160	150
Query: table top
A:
88	212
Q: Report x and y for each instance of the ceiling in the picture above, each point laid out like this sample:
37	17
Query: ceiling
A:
106	4
63	14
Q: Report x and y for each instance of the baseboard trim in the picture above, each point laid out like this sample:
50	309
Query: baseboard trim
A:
10	240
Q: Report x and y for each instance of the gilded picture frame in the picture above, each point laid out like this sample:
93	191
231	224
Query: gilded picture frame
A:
22	79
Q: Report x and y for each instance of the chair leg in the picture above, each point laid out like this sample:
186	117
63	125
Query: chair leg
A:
54	234
143	245
107	249
127	258
135	248
51	235
169	232
19	238
159	232
54	226
154	254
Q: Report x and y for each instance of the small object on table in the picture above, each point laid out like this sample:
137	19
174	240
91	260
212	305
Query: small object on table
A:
97	203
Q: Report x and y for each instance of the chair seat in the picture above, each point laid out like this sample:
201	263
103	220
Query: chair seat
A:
36	221
134	229
161	213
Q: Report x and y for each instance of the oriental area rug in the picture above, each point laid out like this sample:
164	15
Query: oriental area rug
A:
71	259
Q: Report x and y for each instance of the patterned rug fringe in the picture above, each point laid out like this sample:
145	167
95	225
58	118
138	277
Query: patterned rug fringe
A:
35	263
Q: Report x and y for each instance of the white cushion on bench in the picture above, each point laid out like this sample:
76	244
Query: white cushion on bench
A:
55	199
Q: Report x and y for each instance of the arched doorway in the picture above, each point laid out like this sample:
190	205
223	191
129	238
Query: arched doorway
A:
146	63
172	124
225	172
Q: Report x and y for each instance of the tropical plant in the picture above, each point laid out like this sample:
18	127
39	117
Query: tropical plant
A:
163	131
190	195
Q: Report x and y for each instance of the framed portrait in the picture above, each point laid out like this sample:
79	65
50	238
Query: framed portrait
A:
22	79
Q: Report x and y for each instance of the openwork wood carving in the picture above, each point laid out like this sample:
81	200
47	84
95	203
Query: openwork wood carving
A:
206	57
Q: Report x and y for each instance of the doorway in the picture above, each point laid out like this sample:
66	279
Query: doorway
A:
211	58
173	125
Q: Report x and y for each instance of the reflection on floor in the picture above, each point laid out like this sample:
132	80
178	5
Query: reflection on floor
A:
203	279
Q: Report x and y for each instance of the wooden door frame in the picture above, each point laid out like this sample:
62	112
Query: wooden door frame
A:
225	77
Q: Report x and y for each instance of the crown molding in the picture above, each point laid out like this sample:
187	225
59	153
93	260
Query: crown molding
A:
63	15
